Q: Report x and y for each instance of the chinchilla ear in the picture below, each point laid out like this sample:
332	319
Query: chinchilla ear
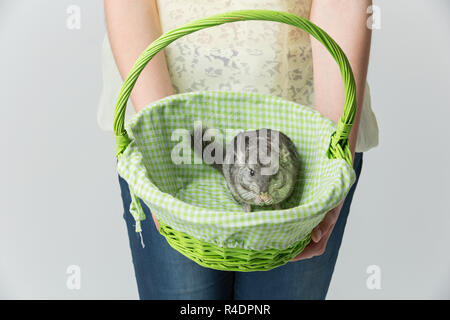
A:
245	142
234	156
201	125
269	150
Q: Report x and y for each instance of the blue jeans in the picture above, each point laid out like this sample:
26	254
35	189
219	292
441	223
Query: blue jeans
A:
164	273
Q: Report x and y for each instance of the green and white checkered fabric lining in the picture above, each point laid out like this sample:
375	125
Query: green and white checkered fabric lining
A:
194	198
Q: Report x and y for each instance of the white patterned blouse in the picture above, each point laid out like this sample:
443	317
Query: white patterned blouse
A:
258	56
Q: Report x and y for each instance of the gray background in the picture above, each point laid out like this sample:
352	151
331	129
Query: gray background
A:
60	201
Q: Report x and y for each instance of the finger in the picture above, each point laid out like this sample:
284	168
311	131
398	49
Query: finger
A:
307	253
325	225
156	222
314	249
320	235
316	234
321	229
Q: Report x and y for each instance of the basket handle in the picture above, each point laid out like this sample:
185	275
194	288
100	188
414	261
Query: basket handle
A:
339	145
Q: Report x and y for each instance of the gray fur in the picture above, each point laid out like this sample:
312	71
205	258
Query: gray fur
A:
258	189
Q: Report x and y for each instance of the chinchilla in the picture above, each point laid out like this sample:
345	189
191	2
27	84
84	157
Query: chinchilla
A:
260	166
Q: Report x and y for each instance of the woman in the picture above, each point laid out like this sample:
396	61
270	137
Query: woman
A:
260	56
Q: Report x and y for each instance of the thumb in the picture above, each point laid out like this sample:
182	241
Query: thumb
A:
323	227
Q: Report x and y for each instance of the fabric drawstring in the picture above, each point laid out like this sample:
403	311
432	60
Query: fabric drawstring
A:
138	214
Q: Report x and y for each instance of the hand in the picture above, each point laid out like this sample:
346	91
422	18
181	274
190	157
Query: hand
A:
156	222
320	235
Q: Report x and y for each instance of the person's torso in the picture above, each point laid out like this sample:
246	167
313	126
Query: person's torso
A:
257	56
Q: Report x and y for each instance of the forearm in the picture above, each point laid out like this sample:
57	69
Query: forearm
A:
346	22
132	26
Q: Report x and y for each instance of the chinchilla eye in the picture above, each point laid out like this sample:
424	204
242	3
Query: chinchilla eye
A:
252	173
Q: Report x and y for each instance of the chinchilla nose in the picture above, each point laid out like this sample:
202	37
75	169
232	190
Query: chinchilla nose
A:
264	189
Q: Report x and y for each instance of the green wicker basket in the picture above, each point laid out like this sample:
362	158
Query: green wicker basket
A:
196	213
